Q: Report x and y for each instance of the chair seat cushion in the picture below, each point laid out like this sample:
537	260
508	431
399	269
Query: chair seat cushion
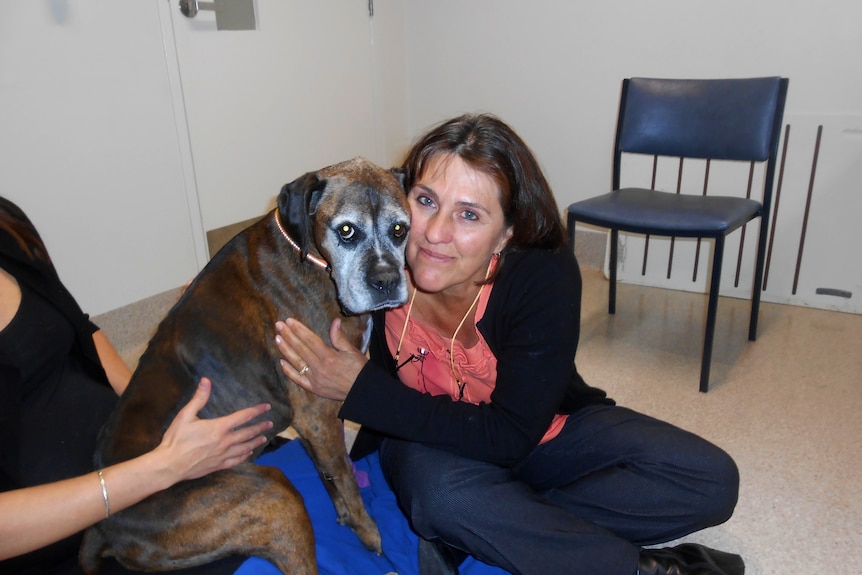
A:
647	211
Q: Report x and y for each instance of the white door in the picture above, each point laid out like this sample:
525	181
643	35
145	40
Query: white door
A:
265	106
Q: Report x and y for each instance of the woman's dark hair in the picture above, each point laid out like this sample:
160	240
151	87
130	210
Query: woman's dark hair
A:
489	145
15	222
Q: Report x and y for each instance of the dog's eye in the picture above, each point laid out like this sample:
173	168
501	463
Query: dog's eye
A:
399	231
346	231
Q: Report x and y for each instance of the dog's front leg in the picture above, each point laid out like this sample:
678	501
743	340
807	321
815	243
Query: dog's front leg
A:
322	434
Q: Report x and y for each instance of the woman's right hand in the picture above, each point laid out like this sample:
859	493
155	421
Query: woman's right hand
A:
327	371
193	447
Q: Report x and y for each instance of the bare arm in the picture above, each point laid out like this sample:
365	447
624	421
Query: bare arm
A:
190	448
116	369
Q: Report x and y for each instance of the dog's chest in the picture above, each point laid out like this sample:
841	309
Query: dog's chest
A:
358	329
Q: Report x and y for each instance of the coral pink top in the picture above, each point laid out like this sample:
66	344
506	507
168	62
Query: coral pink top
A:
429	370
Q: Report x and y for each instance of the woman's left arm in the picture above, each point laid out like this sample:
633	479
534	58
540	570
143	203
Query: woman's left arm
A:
115	368
190	448
533	331
331	371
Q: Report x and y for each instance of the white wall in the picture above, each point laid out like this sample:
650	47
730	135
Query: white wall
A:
89	143
552	69
389	54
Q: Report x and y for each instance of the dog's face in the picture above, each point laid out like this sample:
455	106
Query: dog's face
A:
356	216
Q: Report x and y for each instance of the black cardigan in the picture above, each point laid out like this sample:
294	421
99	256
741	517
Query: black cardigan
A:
531	324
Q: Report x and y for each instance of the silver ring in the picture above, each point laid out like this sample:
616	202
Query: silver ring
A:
305	369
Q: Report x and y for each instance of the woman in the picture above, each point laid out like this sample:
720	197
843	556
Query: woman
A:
59	379
491	440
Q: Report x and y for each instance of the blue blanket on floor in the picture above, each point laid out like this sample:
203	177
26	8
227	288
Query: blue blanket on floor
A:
339	551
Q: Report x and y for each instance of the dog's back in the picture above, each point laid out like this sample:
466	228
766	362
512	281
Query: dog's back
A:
190	343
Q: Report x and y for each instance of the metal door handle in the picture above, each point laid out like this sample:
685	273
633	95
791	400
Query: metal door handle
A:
190	8
229	14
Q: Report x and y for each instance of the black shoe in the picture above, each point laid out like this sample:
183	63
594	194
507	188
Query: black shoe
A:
689	559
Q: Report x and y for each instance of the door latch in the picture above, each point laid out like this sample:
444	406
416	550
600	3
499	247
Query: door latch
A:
229	14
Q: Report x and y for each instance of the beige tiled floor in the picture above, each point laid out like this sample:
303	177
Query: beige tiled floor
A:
788	407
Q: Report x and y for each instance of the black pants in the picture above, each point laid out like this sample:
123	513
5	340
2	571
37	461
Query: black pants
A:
583	503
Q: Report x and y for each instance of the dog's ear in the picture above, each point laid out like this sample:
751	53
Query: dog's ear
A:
400	175
296	203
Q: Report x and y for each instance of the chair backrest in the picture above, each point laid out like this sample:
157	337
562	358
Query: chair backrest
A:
728	119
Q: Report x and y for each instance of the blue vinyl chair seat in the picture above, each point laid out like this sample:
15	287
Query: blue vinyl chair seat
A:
645	211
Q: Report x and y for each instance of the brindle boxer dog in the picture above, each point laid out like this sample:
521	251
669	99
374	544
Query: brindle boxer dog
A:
334	247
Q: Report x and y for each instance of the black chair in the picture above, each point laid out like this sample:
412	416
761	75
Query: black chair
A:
728	119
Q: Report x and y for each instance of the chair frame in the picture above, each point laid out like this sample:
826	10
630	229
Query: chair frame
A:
710	121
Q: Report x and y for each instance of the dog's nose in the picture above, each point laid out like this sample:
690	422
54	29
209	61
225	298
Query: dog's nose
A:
385	283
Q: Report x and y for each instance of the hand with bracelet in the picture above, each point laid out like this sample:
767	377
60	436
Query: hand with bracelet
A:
190	448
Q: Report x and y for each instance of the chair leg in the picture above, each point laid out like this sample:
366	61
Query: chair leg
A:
711	309
612	268
758	280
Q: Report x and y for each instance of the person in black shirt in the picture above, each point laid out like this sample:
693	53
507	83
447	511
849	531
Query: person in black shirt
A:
491	440
59	379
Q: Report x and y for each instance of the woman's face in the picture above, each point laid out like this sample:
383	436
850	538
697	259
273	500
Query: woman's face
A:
456	225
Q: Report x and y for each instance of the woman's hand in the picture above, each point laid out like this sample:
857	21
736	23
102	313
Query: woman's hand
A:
190	448
194	447
331	370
